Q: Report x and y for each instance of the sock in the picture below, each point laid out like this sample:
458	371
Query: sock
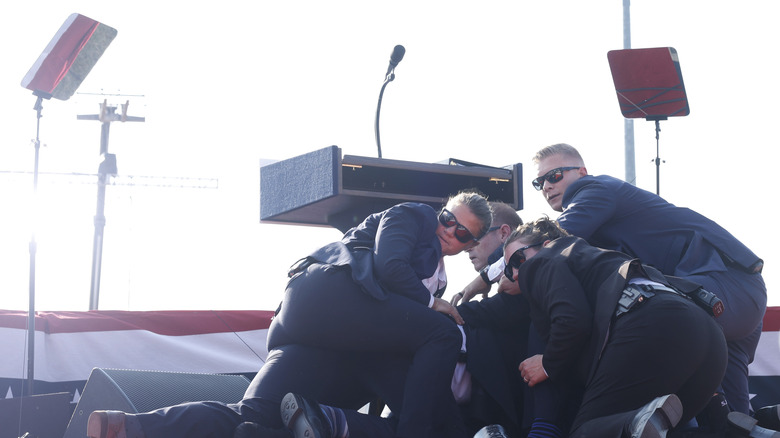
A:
713	418
544	429
337	421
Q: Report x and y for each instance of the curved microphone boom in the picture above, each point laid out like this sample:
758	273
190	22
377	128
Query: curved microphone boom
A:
398	54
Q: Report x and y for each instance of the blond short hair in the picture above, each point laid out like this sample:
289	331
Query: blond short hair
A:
558	149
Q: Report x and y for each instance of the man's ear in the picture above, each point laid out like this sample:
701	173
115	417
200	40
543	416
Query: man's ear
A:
583	171
505	231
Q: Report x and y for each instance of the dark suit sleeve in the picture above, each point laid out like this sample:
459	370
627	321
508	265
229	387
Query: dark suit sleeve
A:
589	204
405	251
499	312
555	289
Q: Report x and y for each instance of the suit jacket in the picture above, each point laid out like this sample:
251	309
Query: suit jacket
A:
610	213
573	289
390	251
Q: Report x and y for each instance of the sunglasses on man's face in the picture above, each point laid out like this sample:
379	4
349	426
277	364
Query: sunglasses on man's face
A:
461	233
517	259
551	177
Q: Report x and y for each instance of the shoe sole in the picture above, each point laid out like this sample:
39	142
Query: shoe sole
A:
748	426
97	425
743	422
668	412
292	415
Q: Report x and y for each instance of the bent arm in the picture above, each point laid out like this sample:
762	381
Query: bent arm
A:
590	205
405	242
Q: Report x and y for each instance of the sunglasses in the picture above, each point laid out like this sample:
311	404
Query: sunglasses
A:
517	259
551	177
461	233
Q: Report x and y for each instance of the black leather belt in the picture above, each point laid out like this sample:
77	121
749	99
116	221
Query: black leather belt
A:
637	293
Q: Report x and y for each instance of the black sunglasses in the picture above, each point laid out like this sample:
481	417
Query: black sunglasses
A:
551	177
461	233
517	259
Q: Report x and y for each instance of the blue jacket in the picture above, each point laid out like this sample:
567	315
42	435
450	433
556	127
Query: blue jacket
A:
612	214
390	251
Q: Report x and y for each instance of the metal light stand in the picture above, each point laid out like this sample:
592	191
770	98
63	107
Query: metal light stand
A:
33	251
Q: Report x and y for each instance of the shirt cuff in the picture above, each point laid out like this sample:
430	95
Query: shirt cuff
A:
496	270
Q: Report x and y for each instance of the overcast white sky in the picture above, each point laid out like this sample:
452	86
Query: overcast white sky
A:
226	84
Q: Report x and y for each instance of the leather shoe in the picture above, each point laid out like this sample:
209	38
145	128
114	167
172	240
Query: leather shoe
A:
304	417
769	417
656	418
113	424
743	425
492	431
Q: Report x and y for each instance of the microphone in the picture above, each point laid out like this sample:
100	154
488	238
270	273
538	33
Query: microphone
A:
398	54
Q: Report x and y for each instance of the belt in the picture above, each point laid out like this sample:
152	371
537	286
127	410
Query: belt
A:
637	293
656	288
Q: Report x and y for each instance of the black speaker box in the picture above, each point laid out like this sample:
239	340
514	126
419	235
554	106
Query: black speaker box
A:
40	416
135	391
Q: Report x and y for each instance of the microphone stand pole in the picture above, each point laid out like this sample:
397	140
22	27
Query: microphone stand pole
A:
389	78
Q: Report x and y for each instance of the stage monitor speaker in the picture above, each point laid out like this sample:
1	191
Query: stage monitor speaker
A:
322	188
142	391
41	416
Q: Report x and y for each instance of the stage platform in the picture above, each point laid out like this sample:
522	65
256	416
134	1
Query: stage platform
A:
177	344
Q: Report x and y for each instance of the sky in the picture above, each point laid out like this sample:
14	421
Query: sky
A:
224	86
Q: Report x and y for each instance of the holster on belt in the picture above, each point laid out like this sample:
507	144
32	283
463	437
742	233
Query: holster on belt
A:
631	297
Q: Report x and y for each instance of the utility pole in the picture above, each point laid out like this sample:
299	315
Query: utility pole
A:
628	124
106	168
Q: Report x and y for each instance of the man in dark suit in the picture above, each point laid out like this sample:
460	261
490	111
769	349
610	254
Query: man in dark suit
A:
612	214
496	329
496	333
354	313
489	251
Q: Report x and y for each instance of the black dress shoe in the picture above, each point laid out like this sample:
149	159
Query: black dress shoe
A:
742	425
769	417
304	417
656	418
491	431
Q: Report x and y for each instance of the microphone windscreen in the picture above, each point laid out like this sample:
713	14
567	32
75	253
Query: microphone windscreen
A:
398	54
